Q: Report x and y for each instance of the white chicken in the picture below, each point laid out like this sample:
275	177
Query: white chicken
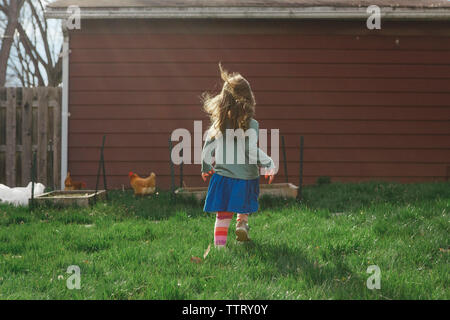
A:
19	196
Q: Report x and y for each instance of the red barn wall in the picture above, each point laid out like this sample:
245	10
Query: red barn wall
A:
370	104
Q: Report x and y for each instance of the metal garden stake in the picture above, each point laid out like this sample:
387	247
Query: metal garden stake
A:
101	167
283	146
300	183
172	174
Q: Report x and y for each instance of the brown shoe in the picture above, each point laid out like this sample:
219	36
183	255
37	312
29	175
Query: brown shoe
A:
242	229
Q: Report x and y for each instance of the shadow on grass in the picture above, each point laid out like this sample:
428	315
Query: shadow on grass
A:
334	278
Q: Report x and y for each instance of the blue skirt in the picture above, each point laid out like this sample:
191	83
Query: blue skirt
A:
232	195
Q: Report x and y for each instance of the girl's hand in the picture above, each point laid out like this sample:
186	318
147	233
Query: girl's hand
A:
270	173
206	174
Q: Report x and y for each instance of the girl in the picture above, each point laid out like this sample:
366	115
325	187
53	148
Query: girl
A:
234	184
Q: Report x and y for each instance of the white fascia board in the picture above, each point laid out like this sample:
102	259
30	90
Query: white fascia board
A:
251	13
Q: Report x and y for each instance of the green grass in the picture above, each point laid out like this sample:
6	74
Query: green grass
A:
141	248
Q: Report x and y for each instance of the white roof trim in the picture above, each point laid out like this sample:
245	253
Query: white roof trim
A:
252	13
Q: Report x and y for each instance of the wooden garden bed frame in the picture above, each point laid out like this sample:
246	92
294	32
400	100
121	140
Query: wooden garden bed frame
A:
86	198
285	190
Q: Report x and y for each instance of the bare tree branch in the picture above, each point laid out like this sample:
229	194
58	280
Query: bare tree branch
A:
44	35
24	74
13	21
33	58
32	53
4	7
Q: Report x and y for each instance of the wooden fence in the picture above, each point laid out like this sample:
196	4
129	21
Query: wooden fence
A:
30	121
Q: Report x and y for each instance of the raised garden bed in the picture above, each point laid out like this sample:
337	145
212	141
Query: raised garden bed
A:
79	198
285	190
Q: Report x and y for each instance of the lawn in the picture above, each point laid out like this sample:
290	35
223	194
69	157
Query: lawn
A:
142	248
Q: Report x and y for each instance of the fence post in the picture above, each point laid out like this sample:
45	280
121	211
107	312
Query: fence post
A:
27	124
42	134
10	161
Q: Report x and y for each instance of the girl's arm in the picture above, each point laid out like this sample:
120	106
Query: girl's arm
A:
207	154
262	159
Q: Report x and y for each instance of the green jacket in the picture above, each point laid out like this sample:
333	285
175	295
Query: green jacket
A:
248	158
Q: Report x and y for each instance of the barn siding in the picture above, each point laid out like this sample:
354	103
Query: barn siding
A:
370	104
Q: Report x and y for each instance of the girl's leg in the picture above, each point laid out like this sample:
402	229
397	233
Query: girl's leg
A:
242	217
242	227
223	220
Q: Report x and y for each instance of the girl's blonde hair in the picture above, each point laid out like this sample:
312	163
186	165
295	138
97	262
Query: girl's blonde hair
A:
235	103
